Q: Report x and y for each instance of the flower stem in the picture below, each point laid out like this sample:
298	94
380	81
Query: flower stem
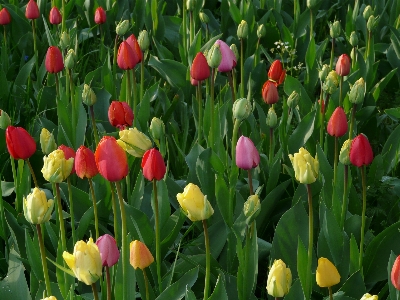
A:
108	279
332	54
32	172
231	86
353	115
191	28
344	204
96	135
241	70
322	129
364	196
340	90
310	236
207	243
124	243
57	87
16	184
211	139
63	15
94	289
71	210
135	99
330	293
114	207
96	218
311	24
199	100
335	163
60	217
157	229
44	261
250	182
184	32
129	93
271	145
35	48
146	282
115	66
142	78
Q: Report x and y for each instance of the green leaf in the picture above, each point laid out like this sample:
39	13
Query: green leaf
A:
293	84
34	258
219	292
378	88
178	289
302	133
333	235
390	150
295	291
355	279
302	267
206	174
172	71
221	192
234	12
354	255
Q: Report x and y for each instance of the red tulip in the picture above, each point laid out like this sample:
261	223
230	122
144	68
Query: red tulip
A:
361	151
200	69
247	156
55	17
337	125
85	163
111	159
126	58
132	41
100	16
276	73
5	17
270	92
19	143
68	153
32	10
153	165
395	274
120	114
194	82
343	65
108	250
54	60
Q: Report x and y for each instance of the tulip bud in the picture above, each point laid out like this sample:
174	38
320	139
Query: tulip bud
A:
305	167
331	83
276	73
122	27
270	93
56	167
50	298
120	114
5	17
54	60
134	142
140	255
194	203
199	69
108	249
279	279
247	156
235	51
70	59
395	273
357	92
37	209
55	17
368	11
368	296
5	120
153	165
323	73
47	142
241	109
190	5
272	118
214	56
353	54
127	59
311	3
88	95
100	16
353	39
337	125
203	17
360	151
20	144
143	40
132	41
157	128
344	156
251	208
293	99
85	163
335	29
372	22
243	30
32	10
261	31
343	65
65	40
327	275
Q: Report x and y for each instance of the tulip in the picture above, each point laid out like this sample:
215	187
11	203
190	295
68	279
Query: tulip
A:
327	274
37	209
47	142
5	17
19	143
337	125
132	41
235	51
270	93
65	40
306	167
228	61
353	39
279	279
68	153
395	273
357	92
276	73
194	204
56	167
85	163
214	56
331	82
122	27
323	73
85	262
111	159
5	120
344	156
203	17
153	165
157	129
293	99
368	296
360	151
143	40
194	82
50	298
88	95
243	30
272	118
70	60
368	11
54	60
241	109
200	70
134	142
100	16
343	65
247	156
140	255
335	29
55	17
32	10
120	114
261	31
109	252
126	57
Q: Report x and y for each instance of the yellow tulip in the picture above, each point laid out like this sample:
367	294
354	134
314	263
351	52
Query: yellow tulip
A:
140	255
327	274
306	167
369	297
56	168
279	279
134	142
47	141
37	209
85	262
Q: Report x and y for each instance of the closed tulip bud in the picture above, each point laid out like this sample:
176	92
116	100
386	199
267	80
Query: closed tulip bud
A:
293	99
122	27
353	54
344	156
360	151
85	163
54	60
247	156
261	31
199	69
134	142
272	118
203	17
368	11
270	93
47	142
70	59
243	30
153	165
251	208
68	153
120	114
143	40
100	16
56	167
343	65
372	22
279	279
214	56
37	209
194	204
368	296
32	10
235	51
305	167
228	61
157	128
111	160
108	249
327	274
20	144
85	262
5	17
337	125
276	72
335	29
331	83
50	298
65	40
190	5
395	273
55	17
323	73
5	120
88	95
311	3
353	39
126	58
241	109
140	255
357	92
132	41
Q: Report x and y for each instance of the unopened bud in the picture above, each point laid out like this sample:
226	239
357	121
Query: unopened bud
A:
293	99
70	59
335	30
323	73
47	141
251	208
157	128
143	40
214	56
5	120
243	30
88	96
65	40
203	17
368	11
272	119
331	83
241	109
311	3
353	39
190	5
357	92
371	23
235	51
344	156
122	27
261	31
353	54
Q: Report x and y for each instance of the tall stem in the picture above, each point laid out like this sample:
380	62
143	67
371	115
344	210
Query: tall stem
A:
199	100
250	182
96	218
16	184
63	15
57	87
96	135
44	261
330	293
271	145
332	54
211	139
95	294
157	229
231	86
146	283
340	91
108	279
125	258
142	78
310	236
115	66
114	208
71	210
322	129
207	243
32	172
184	32
135	99
234	171
311	24
364	196
335	169
60	217
344	204
191	28
129	93
241	69
35	48
353	114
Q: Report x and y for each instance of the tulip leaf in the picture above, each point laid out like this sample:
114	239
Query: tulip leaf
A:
171	230
302	133
189	295
206	174
62	268
178	289
172	71
292	84
234	11
390	150
219	292
355	279
302	259
354	255
295	291
34	258
221	192
333	235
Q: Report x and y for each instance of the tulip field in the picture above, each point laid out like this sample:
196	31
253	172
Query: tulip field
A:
219	149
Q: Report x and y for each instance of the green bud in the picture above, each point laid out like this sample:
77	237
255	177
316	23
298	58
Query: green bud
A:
311	3
122	27
190	5
368	11
243	30
70	59
241	109
214	56
293	99
157	128
353	54
252	208
323	72
47	141
88	96
371	23
353	39
143	40
235	51
5	120
261	31
344	156
65	40
203	17
335	29
331	83
357	91
272	119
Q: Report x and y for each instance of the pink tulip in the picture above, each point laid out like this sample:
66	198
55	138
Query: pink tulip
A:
108	250
228	61
247	156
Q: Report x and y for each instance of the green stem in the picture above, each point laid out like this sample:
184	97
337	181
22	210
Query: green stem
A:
191	28
115	66
340	91
57	87
322	129
199	100
256	56
96	218
63	15
157	229
353	114
71	210
184	25
96	135
142	78
73	102
146	282
310	236
332	54
114	208
44	261
335	165
94	289
135	99
364	196
129	93
330	293
344	204
35	48
32	172
212	109
101	44
271	145
108	279
207	30
234	171
250	182
207	243
232	87
60	217
234	140
125	258
14	172
241	70
311	24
